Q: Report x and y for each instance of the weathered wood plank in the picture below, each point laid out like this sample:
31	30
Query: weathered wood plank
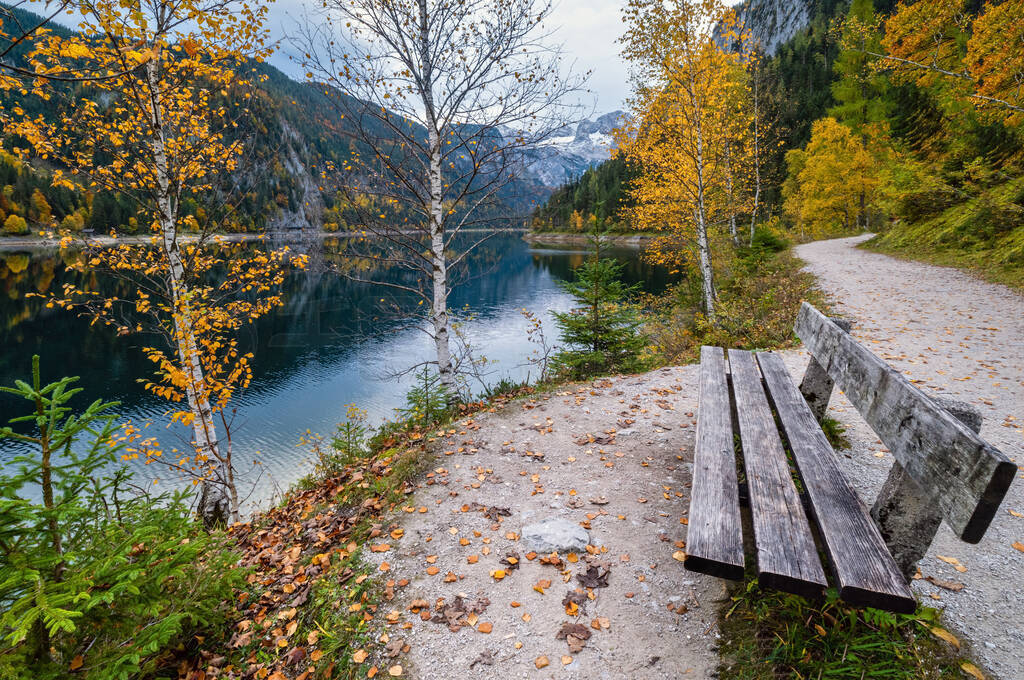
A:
907	518
865	573
787	558
816	385
966	476
714	541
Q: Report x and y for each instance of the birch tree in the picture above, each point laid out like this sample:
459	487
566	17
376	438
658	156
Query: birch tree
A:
157	127
446	102
683	123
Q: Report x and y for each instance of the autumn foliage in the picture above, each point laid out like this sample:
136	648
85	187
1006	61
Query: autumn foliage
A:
167	84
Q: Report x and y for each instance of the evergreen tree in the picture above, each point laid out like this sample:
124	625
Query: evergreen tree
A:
860	89
604	332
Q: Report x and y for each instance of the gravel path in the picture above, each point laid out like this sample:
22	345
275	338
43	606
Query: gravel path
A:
612	454
958	337
616	455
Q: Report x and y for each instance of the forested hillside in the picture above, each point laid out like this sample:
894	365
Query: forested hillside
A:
867	125
293	132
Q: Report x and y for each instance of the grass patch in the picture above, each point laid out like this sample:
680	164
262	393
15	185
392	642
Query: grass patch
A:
768	635
986	263
760	291
835	432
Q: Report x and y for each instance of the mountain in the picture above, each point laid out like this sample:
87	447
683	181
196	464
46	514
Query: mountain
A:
295	131
773	22
573	150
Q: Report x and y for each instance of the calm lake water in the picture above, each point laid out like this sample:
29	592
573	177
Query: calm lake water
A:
335	342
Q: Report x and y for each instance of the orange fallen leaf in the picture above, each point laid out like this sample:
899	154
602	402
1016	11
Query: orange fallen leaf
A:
397	534
360	656
541	662
432	571
498	574
395	671
566	660
1018	545
473	559
76	663
485	627
679	556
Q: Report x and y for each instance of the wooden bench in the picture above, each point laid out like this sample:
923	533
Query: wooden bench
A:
801	507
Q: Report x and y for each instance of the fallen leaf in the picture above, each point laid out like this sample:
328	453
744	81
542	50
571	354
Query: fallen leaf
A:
76	663
566	660
360	656
679	556
1018	545
485	627
971	669
395	671
498	574
541	662
944	634
575	635
432	570
594	577
955	586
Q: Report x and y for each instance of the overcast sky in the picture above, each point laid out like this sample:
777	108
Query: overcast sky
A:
588	29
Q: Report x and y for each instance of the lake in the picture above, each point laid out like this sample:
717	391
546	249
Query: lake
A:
334	342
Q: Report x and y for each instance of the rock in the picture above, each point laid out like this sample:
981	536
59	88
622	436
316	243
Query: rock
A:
555	535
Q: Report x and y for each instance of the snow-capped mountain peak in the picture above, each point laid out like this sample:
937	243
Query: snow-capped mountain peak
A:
566	155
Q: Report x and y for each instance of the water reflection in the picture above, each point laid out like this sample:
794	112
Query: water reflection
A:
334	342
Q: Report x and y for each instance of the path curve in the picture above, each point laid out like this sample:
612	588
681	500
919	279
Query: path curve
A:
958	337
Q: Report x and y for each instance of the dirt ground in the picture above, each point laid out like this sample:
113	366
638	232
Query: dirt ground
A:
616	455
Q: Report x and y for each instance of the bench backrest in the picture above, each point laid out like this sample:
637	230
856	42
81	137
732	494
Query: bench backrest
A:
966	476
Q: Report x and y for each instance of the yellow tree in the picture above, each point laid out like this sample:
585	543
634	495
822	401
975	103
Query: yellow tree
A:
683	134
979	55
159	129
830	182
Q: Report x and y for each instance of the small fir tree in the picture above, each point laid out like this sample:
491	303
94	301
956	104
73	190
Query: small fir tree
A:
603	334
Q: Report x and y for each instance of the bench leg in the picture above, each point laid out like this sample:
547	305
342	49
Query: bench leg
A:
906	516
816	385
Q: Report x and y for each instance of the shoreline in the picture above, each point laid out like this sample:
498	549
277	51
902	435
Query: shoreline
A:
561	238
9	244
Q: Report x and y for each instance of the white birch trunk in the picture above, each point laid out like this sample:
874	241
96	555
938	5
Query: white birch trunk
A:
439	273
213	500
707	273
757	156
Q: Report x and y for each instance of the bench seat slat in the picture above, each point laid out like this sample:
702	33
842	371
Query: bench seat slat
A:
714	541
787	558
966	476
865	572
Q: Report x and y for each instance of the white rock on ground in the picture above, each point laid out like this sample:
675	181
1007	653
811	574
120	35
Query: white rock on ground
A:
555	535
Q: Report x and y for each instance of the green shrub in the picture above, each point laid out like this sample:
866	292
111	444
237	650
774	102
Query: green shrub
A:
603	333
428	402
94	577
